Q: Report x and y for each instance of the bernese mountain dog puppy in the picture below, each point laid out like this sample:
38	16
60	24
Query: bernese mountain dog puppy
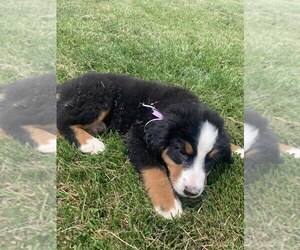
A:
27	111
173	139
261	145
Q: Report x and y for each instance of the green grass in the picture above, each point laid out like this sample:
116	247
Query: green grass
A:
28	39
271	66
194	44
27	192
272	88
27	178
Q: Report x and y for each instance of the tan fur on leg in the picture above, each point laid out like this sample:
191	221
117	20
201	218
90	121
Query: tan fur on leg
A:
289	150
236	149
161	192
46	142
87	143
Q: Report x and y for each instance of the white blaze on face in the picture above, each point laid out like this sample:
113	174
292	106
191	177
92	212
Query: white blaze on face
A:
250	136
194	177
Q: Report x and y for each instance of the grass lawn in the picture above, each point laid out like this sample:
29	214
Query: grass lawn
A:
27	191
194	44
27	178
272	202
28	40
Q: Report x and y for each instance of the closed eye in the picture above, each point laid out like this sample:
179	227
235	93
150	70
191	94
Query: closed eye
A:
183	155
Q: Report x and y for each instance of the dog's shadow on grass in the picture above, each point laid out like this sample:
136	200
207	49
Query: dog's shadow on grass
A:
193	203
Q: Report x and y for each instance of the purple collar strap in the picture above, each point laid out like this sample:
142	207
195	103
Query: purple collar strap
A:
159	116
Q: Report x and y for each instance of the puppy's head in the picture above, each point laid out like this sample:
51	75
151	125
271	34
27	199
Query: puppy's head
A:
191	140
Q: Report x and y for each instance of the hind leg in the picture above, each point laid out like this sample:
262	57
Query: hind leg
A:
83	136
82	105
86	142
32	135
41	139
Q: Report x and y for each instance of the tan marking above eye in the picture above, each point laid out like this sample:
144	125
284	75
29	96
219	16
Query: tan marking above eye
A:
213	153
188	148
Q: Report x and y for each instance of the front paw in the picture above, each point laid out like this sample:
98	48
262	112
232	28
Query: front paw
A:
161	192
240	152
170	211
92	146
49	147
295	152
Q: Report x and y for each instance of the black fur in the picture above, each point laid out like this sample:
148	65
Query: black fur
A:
30	101
81	99
266	144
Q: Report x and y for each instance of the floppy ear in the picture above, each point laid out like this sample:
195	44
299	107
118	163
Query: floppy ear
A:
156	134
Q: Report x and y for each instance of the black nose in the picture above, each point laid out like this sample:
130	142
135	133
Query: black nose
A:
190	192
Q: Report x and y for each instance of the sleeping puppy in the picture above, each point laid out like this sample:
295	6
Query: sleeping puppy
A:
260	143
173	139
27	111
